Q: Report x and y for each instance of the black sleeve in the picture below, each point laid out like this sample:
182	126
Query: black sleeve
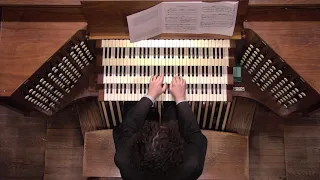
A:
195	141
136	118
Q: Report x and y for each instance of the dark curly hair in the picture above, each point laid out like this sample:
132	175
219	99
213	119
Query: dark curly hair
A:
158	147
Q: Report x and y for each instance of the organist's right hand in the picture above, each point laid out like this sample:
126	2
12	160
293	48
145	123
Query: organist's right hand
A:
178	88
156	88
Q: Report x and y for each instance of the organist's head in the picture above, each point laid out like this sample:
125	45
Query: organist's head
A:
159	148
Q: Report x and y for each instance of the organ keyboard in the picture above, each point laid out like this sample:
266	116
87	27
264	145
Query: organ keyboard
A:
129	66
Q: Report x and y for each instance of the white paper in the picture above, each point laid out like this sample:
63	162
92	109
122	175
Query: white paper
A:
145	24
183	17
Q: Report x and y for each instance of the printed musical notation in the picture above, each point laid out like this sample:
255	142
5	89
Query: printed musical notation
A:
183	17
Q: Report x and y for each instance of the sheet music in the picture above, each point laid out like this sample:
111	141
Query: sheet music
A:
145	24
183	17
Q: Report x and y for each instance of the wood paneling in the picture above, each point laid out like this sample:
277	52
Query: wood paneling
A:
262	13
266	148
25	46
64	147
22	146
302	148
282	2
242	116
118	11
40	2
297	43
43	14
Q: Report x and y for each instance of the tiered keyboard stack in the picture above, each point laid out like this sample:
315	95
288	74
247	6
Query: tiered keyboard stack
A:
128	67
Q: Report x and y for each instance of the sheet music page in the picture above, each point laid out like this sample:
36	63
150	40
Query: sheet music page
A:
183	17
218	18
180	17
145	24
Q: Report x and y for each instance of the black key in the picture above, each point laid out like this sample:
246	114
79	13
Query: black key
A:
189	55
169	53
214	53
196	88
144	70
116	53
117	71
121	89
188	88
182	68
134	70
124	70
130	53
179	70
172	53
140	52
154	70
117	88
212	67
203	53
217	73
193	53
148	52
192	71
109	53
207	71
107	88
192	89
164	52
120	69
110	69
131	89
120	54
148	70
158	70
158	53
145	88
123	52
202	70
130	70
182	52
221	52
218	52
134	52
172	70
202	89
206	88
106	52
154	52
197	55
220	71
179	53
207	53
125	88
212	88
107	70
144	52
134	88
219	88
216	88
197	72
140	88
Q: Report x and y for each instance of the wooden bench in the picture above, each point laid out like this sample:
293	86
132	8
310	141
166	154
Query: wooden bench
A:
227	155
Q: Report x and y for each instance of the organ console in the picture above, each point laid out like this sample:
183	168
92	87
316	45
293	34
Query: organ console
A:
123	69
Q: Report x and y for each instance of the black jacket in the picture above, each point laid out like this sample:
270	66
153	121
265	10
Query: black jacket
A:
195	146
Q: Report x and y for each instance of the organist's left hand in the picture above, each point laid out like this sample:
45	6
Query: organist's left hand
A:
156	88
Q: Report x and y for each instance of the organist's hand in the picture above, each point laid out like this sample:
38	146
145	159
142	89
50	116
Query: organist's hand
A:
178	88
156	88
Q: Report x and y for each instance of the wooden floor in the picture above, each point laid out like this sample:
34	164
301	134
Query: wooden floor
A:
39	147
